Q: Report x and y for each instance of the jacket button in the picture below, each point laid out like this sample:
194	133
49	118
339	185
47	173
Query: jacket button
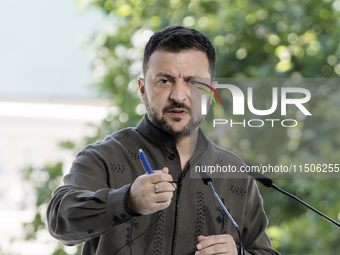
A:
90	231
172	156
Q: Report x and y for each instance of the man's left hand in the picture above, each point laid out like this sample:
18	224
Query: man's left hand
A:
216	244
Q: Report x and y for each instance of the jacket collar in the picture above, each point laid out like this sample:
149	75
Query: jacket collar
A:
153	133
156	135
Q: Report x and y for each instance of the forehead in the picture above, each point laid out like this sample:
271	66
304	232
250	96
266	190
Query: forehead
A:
179	64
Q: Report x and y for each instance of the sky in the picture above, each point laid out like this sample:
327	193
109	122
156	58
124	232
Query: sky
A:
41	59
40	52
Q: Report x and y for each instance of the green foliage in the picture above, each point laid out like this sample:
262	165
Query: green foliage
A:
252	39
44	181
67	145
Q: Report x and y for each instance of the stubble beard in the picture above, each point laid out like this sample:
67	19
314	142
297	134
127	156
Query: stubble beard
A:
165	126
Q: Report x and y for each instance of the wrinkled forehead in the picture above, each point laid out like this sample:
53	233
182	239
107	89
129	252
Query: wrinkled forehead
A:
188	63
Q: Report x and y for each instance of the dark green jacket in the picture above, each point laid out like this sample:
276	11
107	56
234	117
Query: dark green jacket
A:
89	207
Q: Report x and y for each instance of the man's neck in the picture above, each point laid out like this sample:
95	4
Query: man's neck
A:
183	145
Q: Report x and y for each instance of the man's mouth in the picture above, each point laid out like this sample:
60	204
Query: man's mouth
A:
178	111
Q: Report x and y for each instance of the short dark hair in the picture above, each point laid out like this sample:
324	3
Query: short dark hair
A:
176	39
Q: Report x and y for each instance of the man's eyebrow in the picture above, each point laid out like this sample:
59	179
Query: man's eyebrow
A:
165	75
161	74
190	77
173	78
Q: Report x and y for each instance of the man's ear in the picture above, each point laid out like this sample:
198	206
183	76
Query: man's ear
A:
141	86
213	84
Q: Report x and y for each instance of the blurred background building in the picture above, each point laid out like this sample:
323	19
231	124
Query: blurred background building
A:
45	99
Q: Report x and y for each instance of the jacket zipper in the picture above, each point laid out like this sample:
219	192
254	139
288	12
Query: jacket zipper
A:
180	183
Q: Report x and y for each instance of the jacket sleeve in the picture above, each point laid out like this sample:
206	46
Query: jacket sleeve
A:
256	240
85	207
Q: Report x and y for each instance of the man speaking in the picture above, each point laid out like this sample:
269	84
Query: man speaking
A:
114	207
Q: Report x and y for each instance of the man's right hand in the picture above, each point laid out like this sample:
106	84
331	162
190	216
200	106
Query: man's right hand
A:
150	193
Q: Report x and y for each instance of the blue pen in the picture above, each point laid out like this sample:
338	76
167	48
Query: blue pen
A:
145	162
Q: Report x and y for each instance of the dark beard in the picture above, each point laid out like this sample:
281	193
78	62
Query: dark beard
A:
165	126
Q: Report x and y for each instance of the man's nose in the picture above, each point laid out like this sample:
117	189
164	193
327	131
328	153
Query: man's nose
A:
179	92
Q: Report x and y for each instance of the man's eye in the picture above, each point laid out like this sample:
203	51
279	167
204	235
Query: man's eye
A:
163	82
192	82
197	83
